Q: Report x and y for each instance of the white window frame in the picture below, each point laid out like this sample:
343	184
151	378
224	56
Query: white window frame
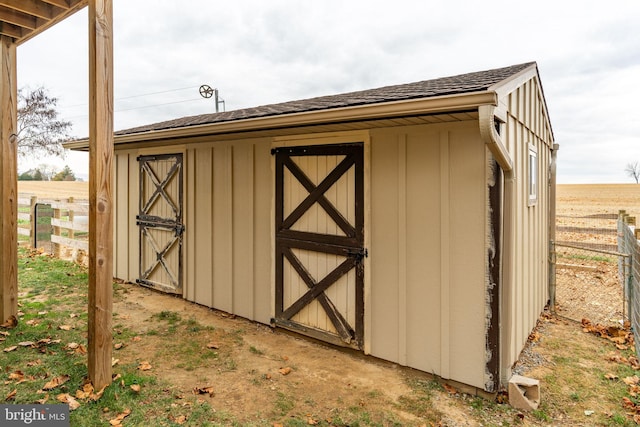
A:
533	175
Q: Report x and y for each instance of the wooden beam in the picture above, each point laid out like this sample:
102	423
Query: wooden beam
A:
11	30
8	181
100	191
32	7
18	18
64	4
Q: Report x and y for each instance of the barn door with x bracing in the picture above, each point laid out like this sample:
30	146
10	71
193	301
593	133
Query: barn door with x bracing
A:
320	242
160	222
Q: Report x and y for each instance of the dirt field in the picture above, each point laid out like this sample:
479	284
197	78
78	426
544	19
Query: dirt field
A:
589	199
54	189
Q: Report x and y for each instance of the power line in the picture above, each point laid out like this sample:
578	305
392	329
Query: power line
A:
135	96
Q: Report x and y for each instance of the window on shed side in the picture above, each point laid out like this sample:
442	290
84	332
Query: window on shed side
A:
533	175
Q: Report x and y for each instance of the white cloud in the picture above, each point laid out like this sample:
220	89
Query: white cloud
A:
258	52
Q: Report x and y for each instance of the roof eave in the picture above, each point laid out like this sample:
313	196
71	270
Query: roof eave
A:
439	104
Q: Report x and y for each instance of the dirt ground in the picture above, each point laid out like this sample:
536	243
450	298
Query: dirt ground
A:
250	374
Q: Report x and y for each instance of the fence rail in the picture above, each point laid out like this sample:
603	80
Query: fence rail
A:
64	222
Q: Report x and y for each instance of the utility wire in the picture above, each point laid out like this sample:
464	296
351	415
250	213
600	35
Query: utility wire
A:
135	96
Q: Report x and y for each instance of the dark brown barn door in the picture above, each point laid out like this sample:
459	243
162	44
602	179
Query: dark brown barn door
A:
320	241
160	222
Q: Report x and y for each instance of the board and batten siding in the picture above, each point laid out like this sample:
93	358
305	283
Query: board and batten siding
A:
524	300
228	234
427	252
227	239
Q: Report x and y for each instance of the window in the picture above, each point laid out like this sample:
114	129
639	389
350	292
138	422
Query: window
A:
533	175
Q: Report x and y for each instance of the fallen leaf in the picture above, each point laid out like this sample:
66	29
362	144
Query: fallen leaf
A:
144	366
96	396
69	400
631	380
32	322
611	376
135	387
5	333
117	421
181	419
10	323
114	362
449	389
72	346
213	345
136	339
118	346
56	382
65	327
204	390
16	376
34	363
11	395
12	348
43	400
42	313
285	371
312	422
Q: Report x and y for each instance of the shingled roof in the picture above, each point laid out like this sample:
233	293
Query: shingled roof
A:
460	84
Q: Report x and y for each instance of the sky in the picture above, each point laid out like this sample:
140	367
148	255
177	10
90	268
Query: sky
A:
258	52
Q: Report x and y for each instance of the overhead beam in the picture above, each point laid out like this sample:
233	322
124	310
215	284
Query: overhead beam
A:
11	30
64	4
8	181
18	18
100	191
32	7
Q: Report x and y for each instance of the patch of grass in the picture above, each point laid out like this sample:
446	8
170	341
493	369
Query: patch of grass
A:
284	404
256	351
168	316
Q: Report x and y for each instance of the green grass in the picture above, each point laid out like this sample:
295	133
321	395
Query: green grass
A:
54	296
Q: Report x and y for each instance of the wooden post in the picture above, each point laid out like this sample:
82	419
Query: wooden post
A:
8	181
33	222
100	192
56	232
71	232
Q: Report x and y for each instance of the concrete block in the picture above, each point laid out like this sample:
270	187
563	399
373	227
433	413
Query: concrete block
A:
524	393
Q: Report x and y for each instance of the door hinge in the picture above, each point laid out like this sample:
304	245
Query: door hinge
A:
358	253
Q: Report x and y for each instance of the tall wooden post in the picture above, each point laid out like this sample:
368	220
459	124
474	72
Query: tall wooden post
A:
9	181
100	191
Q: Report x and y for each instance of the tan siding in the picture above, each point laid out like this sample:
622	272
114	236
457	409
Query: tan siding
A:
416	264
121	220
384	247
525	298
228	194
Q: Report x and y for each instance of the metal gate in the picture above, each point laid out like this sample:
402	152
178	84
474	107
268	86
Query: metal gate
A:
320	242
589	275
160	222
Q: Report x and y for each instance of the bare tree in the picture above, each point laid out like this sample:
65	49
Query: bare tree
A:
633	170
40	131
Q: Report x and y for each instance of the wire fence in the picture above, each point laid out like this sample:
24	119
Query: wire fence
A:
628	236
590	270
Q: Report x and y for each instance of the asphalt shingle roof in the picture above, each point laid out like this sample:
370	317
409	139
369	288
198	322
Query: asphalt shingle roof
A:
460	84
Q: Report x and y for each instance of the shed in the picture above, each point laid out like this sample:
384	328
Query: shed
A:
410	222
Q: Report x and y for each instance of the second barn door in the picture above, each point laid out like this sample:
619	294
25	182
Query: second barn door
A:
160	222
320	241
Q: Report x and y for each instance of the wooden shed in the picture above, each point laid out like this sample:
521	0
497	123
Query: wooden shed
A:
411	222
